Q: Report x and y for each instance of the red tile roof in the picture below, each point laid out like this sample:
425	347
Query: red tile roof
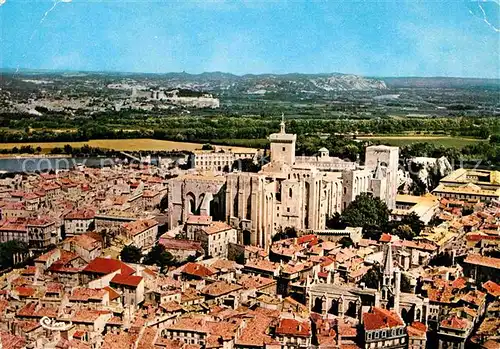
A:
220	288
10	341
477	259
310	238
29	270
295	328
203	220
86	294
25	291
217	227
85	241
417	329
127	280
197	270
492	288
456	323
105	266
385	237
137	227
380	318
81	214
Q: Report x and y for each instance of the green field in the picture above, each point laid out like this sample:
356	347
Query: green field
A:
446	141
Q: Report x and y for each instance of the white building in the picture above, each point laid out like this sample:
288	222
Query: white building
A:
215	238
219	161
78	221
142	232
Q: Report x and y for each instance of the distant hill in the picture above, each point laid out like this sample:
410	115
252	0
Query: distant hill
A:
440	82
271	83
292	83
217	81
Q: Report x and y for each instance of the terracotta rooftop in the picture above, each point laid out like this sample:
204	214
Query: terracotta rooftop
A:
85	241
417	329
105	266
29	270
456	323
123	340
385	237
81	214
220	288
477	259
217	227
10	341
492	288
257	282
292	327
25	291
112	293
27	325
380	318
86	294
147	340
171	306
195	324
224	264
197	270
203	220
127	280
54	287
88	315
310	239
255	334
137	227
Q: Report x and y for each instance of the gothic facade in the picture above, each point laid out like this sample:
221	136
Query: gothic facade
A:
348	300
289	191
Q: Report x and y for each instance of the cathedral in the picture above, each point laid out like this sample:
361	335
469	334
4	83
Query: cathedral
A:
289	191
340	299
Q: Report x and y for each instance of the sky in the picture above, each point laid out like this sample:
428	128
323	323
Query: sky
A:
372	38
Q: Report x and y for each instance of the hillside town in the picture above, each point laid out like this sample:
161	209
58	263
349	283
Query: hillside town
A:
215	256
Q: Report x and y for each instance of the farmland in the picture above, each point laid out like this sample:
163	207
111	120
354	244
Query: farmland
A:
445	141
136	144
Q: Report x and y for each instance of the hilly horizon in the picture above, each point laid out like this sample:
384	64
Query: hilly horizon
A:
265	82
224	74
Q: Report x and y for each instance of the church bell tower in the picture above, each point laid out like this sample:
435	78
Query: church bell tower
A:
283	145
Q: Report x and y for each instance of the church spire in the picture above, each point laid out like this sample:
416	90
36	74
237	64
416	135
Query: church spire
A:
388	263
282	124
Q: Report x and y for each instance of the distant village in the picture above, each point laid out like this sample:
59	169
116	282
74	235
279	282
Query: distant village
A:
214	256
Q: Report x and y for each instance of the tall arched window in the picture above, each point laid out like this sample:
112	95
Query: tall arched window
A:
290	193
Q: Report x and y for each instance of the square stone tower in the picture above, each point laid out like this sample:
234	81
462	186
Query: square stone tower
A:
283	145
378	156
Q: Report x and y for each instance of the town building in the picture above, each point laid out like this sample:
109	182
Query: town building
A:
383	328
78	221
216	238
467	184
142	232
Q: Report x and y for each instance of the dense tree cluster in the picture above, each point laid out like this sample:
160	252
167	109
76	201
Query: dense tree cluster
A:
131	254
160	257
372	215
223	124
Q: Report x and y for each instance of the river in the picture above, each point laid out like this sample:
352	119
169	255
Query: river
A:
42	164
